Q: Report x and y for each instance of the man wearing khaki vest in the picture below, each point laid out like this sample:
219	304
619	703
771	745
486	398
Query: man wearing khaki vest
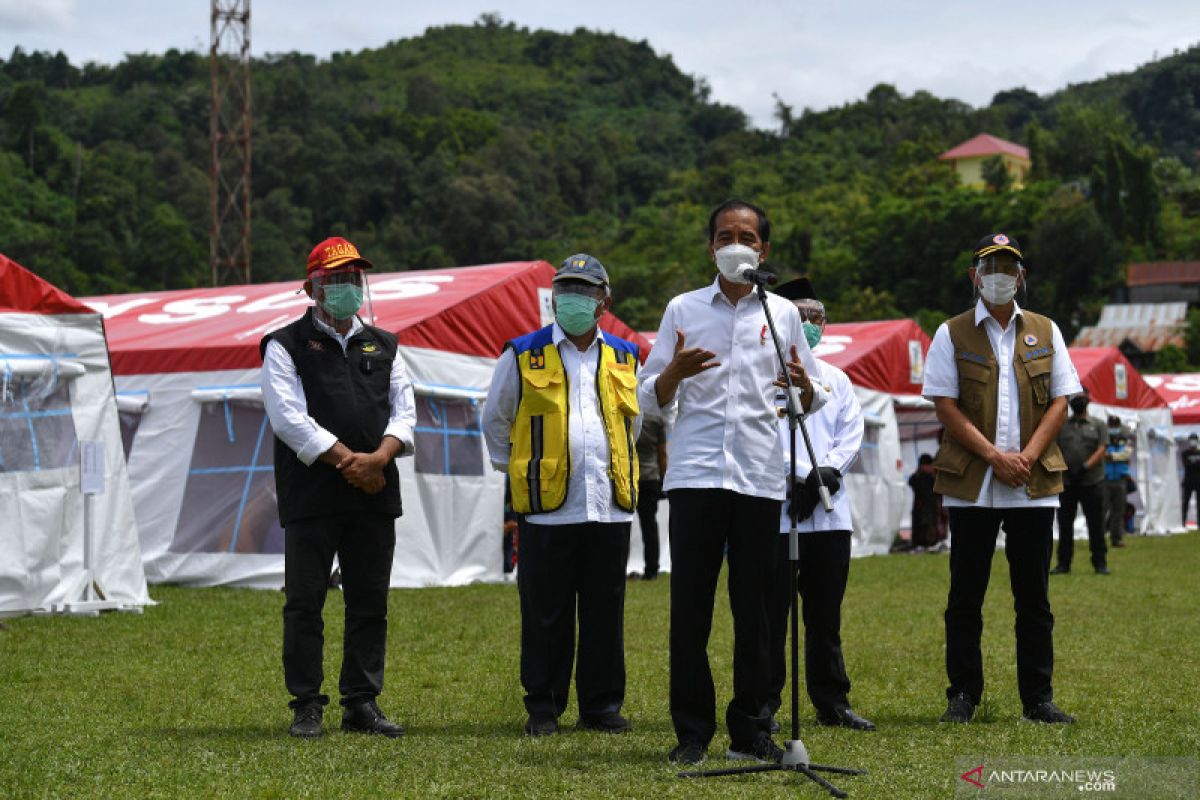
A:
999	377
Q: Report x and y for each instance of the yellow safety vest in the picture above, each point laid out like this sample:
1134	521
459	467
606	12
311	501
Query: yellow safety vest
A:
539	466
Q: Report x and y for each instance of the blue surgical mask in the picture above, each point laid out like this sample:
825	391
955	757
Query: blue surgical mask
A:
575	313
812	333
341	301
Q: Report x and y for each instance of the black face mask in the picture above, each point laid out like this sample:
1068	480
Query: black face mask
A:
1079	405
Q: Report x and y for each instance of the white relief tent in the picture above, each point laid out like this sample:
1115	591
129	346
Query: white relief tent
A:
56	391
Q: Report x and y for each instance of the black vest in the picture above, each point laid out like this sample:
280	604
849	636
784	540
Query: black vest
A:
347	395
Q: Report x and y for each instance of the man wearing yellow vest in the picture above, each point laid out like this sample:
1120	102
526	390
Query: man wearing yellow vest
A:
999	377
562	420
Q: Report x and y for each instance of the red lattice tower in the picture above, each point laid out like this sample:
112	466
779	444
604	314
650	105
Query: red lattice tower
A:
229	143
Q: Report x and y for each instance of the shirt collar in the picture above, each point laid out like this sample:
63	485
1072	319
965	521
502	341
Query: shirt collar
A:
558	335
981	312
355	326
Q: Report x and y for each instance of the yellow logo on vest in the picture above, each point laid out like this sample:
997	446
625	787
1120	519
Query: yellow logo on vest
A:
369	347
1030	340
537	360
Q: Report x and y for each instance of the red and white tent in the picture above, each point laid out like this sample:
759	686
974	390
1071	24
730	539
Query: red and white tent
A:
187	371
56	392
1118	389
1181	392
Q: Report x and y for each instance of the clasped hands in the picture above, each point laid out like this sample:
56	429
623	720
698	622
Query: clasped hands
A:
363	471
1011	469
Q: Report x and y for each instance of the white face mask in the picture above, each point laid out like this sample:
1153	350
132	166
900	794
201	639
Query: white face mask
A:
732	258
998	289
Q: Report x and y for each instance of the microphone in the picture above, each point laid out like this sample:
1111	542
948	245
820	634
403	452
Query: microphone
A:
756	276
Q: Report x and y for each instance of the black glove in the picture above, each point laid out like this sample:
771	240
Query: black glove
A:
804	501
829	476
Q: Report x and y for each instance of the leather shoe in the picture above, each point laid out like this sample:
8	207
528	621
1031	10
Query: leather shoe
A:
775	726
307	722
541	725
611	722
687	753
1061	570
761	749
1049	713
1103	571
365	717
960	709
845	718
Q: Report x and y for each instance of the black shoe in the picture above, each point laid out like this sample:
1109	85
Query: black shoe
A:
960	709
541	725
1060	570
612	722
845	718
1049	713
761	749
775	726
1119	543
687	753
650	576
365	717
307	722
1102	571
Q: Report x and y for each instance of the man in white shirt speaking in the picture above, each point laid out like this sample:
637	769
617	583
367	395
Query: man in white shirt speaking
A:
715	363
999	377
562	420
836	433
341	406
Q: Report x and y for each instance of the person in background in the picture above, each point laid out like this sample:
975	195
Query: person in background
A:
1191	474
1116	483
836	433
999	377
652	461
714	366
341	405
1083	441
561	419
924	505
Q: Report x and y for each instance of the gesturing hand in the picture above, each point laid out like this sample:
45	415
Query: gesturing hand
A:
689	361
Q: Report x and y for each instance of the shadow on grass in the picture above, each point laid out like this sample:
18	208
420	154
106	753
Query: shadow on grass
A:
258	732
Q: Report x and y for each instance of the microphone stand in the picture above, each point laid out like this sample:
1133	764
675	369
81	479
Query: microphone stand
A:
795	755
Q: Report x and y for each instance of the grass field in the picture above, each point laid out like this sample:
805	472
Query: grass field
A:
187	700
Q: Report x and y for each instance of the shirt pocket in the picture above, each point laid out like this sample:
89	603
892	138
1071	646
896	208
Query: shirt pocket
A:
542	391
973	384
952	458
1040	371
624	383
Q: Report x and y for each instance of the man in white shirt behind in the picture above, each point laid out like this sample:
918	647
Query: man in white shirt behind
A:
715	365
836	433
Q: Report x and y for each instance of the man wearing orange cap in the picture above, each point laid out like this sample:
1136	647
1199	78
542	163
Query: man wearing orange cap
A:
341	407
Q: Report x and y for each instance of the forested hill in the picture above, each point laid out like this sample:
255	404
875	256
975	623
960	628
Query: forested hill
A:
483	143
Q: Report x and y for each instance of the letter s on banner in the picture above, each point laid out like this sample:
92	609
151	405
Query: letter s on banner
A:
192	309
407	286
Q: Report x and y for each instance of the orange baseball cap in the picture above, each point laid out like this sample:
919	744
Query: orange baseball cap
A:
332	253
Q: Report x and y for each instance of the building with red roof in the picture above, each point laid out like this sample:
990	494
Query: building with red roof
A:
968	158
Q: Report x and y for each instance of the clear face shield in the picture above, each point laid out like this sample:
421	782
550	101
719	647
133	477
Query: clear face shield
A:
343	293
998	276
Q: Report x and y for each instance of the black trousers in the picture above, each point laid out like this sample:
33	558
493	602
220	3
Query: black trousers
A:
1028	534
1189	490
705	525
647	510
1092	500
1114	509
363	543
821	576
558	567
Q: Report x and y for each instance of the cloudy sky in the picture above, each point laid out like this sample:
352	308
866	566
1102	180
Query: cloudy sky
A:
814	53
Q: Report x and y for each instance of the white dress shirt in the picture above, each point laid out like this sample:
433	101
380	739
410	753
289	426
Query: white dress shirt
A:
287	407
725	433
836	433
941	380
589	489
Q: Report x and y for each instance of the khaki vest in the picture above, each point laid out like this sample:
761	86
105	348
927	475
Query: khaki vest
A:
959	471
539	466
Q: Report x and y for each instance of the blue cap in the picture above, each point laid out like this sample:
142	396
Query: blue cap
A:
582	267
